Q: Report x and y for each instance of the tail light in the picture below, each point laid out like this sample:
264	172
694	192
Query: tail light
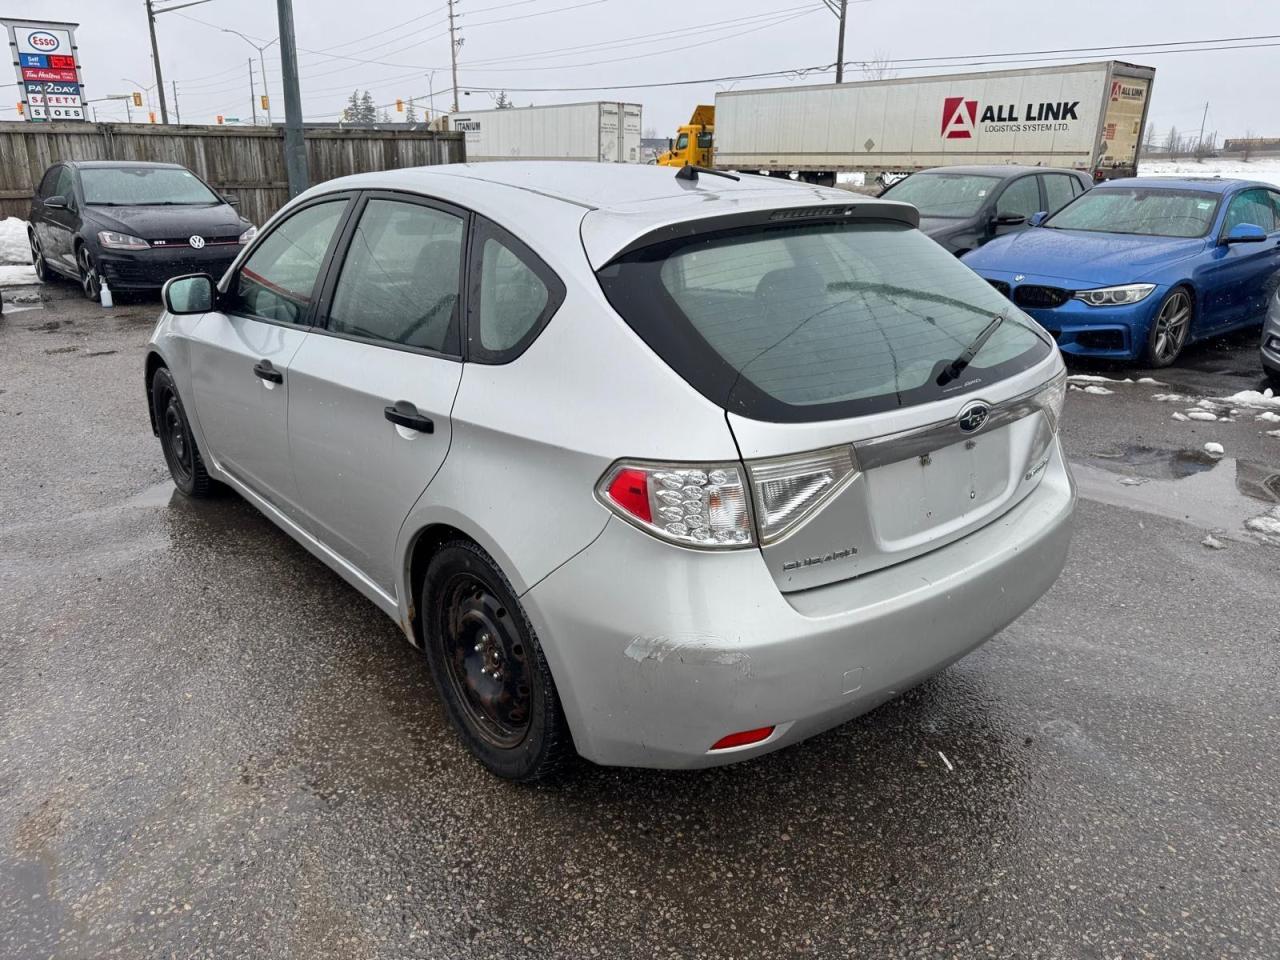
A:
788	490
708	505
696	505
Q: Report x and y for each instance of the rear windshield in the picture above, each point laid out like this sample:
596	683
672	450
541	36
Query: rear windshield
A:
817	321
1145	211
943	194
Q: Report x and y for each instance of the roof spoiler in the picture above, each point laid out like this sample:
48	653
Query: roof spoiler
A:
869	210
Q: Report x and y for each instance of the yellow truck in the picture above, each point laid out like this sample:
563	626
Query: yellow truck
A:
693	143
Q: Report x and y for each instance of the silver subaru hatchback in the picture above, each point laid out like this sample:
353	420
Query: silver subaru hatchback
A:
670	471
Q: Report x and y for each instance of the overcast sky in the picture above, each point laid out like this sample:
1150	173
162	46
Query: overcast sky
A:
521	45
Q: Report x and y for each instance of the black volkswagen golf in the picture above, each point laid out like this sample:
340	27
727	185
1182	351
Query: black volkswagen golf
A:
133	224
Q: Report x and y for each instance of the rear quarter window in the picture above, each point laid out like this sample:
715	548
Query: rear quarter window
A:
817	321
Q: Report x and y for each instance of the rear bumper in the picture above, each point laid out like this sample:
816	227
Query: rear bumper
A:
149	269
658	652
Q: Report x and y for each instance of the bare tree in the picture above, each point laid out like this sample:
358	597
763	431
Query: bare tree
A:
1171	143
1149	142
1246	148
879	67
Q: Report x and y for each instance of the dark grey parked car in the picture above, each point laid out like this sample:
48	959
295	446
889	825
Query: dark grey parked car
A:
964	207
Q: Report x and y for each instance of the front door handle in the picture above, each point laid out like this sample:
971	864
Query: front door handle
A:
404	414
263	370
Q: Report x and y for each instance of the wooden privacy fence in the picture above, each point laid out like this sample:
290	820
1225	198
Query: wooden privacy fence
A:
243	162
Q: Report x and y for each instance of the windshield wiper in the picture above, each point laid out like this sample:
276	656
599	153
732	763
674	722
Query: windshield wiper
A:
956	366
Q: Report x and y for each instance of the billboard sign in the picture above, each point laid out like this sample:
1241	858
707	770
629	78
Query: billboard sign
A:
45	60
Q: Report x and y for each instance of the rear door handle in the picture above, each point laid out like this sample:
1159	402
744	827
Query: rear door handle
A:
404	414
263	370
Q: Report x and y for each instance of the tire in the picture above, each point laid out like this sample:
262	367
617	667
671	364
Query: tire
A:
176	440
38	262
488	666
1170	328
89	281
1273	377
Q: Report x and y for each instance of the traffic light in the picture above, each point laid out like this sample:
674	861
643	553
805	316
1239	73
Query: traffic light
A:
219	118
266	102
152	115
137	99
399	105
22	109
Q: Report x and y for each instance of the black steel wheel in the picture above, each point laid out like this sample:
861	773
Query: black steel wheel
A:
488	666
179	446
38	262
90	282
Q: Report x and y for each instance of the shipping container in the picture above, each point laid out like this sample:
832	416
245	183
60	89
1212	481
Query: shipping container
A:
603	131
1087	116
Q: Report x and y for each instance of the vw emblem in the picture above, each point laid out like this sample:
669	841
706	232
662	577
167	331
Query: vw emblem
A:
1019	277
973	417
197	242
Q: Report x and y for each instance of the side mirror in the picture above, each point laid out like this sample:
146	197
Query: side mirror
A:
1245	233
58	202
1038	218
189	294
1010	219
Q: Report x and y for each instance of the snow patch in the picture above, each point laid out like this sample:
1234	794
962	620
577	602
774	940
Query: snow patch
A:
1215	449
14	275
1201	415
1268	525
1268	416
1180	416
1253	399
14	246
1092	378
1213	543
1274	433
1261	168
1171	398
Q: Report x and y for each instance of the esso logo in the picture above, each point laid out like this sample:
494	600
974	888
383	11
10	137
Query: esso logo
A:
41	40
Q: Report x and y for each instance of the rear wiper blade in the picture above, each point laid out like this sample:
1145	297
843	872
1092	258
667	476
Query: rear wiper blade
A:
956	366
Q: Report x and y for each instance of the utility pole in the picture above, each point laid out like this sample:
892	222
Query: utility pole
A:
1203	118
295	147
155	58
844	15
177	113
253	96
453	54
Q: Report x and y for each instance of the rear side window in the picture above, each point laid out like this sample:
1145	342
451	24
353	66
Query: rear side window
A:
400	281
817	321
49	182
513	295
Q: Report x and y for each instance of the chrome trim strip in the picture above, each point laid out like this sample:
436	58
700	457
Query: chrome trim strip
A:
919	441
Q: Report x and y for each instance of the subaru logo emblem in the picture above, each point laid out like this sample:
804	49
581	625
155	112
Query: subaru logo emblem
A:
197	242
1018	278
973	417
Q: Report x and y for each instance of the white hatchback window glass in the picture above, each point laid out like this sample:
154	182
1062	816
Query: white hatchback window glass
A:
512	297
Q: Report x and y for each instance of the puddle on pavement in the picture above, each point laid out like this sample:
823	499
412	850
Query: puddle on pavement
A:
1190	485
157	495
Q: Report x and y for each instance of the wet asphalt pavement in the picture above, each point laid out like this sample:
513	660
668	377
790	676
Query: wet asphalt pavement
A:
210	746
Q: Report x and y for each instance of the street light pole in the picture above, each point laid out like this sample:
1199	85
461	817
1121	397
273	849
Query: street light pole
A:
295	147
262	62
155	58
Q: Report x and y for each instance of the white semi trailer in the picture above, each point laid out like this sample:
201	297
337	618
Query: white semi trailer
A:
1086	116
603	131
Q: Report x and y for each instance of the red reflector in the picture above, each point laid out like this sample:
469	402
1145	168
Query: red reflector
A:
743	738
630	491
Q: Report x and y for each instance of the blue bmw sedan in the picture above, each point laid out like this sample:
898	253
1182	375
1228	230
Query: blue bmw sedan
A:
1136	269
